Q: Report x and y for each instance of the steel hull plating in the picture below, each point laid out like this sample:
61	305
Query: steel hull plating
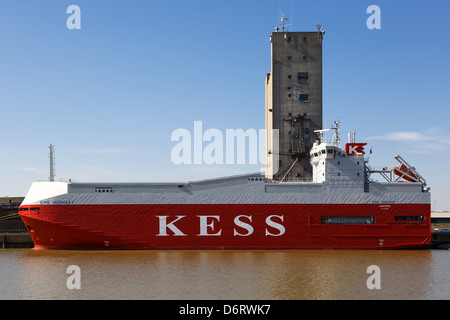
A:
226	226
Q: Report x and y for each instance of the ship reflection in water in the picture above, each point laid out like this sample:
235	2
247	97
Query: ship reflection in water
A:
198	274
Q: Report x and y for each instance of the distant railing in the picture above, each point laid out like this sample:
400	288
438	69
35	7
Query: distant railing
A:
57	180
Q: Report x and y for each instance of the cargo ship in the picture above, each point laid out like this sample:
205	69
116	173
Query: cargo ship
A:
343	207
329	198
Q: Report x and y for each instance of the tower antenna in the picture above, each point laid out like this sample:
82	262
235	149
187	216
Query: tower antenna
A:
52	162
283	21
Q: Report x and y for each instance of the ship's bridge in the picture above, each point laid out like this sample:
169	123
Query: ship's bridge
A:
324	151
333	164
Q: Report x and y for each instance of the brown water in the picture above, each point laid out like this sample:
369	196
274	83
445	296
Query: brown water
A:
234	275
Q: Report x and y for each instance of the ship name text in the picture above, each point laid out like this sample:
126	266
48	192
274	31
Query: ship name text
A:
208	226
57	202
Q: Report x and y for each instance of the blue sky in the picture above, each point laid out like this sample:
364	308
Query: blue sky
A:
110	94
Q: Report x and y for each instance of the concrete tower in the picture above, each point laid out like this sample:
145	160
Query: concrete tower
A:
293	102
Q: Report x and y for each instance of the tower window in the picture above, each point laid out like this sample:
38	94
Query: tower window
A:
304	97
306	132
302	77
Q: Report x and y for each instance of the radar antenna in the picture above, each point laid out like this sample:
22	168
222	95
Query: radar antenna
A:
321	31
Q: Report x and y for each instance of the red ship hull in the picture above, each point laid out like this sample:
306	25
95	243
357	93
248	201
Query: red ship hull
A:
227	226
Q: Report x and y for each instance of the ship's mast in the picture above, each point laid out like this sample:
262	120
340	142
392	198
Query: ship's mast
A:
52	162
336	141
